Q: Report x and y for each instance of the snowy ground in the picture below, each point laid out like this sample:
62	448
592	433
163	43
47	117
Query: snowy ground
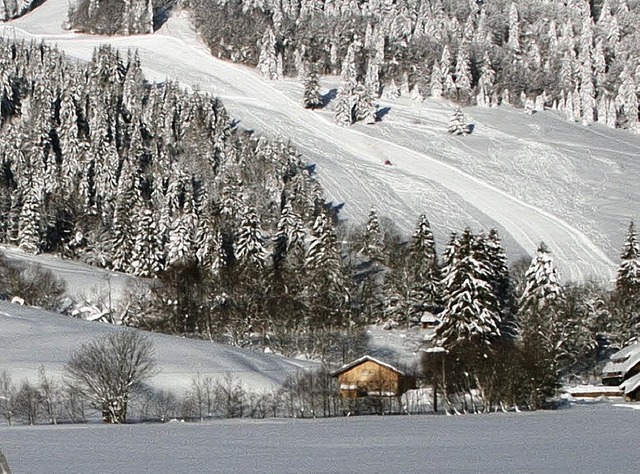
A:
584	439
84	282
534	177
31	337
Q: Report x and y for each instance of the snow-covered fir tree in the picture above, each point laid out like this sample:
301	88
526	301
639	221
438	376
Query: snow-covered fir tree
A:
373	238
312	98
422	266
543	328
250	246
458	124
147	257
29	239
471	314
267	63
628	275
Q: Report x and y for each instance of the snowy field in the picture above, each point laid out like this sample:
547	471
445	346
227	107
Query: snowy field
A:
533	178
30	337
83	281
583	439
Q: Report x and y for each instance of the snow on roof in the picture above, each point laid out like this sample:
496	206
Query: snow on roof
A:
631	384
603	389
362	359
428	317
623	360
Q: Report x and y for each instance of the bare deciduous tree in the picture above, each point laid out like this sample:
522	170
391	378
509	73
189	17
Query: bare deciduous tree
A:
27	402
7	396
50	395
106	370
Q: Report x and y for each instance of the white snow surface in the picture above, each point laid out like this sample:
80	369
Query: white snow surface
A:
533	177
590	438
31	337
84	282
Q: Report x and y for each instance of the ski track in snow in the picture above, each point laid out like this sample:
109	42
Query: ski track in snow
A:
422	179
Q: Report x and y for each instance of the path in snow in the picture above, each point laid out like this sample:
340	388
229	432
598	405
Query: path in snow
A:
349	160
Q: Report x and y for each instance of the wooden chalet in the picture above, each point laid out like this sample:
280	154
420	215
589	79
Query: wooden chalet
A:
623	369
368	376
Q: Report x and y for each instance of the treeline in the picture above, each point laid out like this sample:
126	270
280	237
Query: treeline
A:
148	179
121	17
10	9
577	56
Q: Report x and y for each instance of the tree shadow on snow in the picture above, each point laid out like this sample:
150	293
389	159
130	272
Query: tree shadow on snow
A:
381	113
161	12
328	97
333	210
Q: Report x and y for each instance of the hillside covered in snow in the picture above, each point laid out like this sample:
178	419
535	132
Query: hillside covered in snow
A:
533	177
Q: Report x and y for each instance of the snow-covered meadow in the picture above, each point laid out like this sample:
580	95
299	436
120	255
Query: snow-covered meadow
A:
533	177
30	337
584	439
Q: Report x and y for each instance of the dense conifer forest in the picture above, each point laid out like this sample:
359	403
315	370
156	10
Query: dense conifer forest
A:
578	56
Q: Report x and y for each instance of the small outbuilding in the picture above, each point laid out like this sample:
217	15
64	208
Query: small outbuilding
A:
368	376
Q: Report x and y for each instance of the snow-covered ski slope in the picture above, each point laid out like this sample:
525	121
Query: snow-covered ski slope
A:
534	178
31	337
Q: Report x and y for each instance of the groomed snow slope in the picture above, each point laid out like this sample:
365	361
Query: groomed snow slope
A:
534	178
31	337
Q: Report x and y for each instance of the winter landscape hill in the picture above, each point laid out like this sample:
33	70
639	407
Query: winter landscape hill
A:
533	177
32	338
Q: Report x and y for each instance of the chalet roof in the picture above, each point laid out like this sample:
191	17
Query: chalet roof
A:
623	360
366	358
631	384
428	317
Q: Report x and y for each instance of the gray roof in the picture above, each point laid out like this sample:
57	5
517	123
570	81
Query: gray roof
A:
623	361
631	384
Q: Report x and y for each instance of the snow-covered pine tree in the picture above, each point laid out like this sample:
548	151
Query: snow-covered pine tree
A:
344	105
267	63
312	98
458	124
514	29
346	97
501	282
471	314
289	238
373	247
423	270
364	108
323	257
463	74
436	81
372	78
542	326
628	275
486	82
29	238
250	247
147	258
446	73
181	237
627	101
208	243
123	230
